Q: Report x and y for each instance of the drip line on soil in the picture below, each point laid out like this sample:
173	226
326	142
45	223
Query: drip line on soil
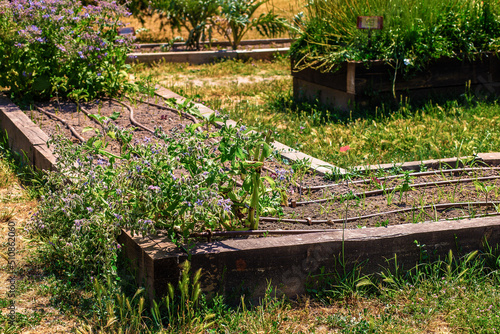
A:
309	221
87	113
185	114
443	171
131	116
211	234
388	190
72	129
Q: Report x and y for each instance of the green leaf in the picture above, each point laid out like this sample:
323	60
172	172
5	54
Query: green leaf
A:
266	150
87	128
240	153
270	180
247	184
114	116
112	134
97	143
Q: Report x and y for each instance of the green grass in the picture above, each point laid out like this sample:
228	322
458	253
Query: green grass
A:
450	128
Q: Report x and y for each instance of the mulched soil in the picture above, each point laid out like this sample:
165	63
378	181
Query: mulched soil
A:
337	201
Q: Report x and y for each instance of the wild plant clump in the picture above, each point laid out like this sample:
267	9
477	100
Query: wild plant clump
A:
181	182
59	47
414	32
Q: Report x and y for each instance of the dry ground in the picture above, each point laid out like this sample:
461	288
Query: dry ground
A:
37	315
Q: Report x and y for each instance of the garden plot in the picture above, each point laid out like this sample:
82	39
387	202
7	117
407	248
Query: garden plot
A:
133	196
307	201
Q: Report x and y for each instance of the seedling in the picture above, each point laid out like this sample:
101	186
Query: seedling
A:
485	189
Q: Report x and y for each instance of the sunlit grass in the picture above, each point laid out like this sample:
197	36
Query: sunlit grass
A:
460	127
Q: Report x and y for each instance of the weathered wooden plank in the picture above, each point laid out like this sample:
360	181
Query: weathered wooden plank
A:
246	266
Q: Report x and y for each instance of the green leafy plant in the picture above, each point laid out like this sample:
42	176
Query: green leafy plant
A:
485	189
192	15
58	47
414	33
237	18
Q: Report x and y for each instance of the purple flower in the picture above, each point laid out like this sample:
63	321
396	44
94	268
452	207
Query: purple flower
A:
225	204
156	189
118	191
89	209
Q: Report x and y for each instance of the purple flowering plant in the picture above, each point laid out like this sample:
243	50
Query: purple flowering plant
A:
181	182
53	47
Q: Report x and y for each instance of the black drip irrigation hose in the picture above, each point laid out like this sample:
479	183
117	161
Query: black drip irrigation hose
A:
436	172
210	234
309	221
72	129
389	190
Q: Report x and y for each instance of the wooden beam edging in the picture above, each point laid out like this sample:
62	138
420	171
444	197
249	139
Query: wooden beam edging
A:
321	167
203	57
245	266
244	42
25	137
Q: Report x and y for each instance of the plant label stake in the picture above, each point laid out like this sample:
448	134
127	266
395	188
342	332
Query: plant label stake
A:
370	23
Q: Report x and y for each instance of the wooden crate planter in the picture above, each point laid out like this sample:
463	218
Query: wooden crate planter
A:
364	84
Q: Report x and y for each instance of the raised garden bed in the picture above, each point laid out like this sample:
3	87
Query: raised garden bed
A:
244	262
363	84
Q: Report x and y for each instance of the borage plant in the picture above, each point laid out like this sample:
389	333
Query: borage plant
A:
53	47
182	182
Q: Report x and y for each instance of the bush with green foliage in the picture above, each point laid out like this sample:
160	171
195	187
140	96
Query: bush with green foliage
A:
414	32
237	18
54	47
232	18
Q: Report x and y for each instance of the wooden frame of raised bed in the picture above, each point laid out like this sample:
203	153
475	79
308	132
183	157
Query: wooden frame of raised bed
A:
363	84
247	266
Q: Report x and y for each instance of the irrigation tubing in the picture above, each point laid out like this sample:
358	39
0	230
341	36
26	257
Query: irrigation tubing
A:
185	114
443	171
309	221
72	129
131	116
388	190
211	234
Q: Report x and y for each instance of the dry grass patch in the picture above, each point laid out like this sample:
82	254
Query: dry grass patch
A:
35	313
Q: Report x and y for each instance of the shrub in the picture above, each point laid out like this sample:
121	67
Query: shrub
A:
54	47
192	15
414	33
237	18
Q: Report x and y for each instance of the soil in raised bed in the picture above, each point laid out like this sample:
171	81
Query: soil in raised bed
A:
314	203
